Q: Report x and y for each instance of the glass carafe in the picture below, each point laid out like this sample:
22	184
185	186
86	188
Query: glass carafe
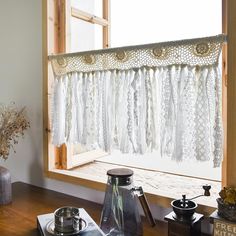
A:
120	214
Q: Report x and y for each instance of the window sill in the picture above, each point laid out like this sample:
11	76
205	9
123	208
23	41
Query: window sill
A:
160	188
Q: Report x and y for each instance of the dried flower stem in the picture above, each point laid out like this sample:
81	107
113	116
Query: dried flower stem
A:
13	123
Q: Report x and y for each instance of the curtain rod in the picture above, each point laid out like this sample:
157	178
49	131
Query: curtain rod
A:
220	37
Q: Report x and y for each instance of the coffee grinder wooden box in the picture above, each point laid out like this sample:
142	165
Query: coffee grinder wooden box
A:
222	227
183	227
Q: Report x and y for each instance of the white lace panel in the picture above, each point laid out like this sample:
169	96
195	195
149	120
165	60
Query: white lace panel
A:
173	109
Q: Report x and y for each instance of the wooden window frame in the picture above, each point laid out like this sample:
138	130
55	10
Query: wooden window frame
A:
58	17
54	41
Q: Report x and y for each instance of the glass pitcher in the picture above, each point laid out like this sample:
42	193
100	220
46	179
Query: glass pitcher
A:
120	215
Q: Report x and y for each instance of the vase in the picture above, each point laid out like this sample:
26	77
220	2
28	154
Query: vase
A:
5	186
226	211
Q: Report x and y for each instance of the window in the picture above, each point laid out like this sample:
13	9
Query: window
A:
153	21
85	35
56	33
145	20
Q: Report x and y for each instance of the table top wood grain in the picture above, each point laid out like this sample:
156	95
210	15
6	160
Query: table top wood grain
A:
19	217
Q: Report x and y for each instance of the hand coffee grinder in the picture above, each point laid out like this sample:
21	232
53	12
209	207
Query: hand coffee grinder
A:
183	220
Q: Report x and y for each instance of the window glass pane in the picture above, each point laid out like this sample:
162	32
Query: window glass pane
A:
85	36
91	6
149	21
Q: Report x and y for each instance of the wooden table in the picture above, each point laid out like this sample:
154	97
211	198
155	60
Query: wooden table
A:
19	217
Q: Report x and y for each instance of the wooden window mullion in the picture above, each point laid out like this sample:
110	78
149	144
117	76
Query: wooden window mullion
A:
106	29
224	92
63	47
230	173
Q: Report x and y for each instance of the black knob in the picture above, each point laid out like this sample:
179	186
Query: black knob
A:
206	189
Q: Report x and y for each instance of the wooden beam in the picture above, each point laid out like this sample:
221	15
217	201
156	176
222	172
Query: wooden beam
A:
64	36
56	39
45	25
224	92
50	45
64	40
88	17
107	28
231	94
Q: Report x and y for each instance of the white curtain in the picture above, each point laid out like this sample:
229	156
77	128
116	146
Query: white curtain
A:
174	109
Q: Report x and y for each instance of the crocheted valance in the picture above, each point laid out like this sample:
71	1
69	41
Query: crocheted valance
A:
201	51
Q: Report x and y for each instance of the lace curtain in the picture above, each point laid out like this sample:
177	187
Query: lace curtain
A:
164	97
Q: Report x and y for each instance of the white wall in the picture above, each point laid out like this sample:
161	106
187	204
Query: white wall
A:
21	81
